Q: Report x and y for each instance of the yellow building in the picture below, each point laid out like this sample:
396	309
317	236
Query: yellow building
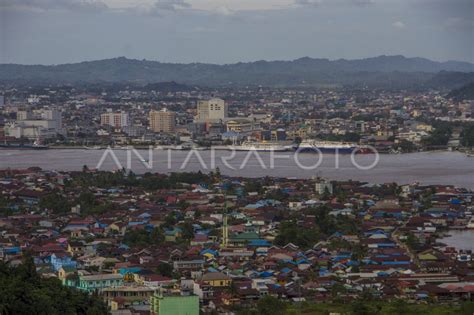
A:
162	121
127	295
424	127
216	279
76	248
242	125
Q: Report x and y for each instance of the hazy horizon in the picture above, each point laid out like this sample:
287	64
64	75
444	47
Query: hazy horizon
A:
230	63
222	32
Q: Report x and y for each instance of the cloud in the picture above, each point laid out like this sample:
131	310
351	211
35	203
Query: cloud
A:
361	3
308	2
459	23
202	29
160	7
43	5
224	10
398	24
171	5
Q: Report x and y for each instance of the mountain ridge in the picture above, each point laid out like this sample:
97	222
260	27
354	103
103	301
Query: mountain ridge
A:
301	71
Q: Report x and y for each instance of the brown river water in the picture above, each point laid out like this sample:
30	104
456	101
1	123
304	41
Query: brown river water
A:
426	167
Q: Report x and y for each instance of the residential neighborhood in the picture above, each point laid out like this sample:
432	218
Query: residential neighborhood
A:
187	243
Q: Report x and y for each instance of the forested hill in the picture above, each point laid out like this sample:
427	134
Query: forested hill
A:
465	92
382	71
23	291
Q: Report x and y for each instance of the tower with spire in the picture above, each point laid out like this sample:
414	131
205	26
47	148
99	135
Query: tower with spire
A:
225	226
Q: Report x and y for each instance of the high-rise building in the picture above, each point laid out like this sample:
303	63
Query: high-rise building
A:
323	186
162	121
114	119
211	110
54	115
23	115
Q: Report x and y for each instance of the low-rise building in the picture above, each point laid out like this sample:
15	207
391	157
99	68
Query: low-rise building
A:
174	304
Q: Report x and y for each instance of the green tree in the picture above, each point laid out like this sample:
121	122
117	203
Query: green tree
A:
270	305
188	230
412	241
165	269
143	237
406	146
23	291
467	308
362	307
55	202
440	135
467	136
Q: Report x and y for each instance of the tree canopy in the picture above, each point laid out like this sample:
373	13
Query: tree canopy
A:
23	291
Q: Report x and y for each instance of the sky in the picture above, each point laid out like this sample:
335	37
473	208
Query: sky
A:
229	31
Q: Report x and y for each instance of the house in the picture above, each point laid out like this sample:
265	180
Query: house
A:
200	239
76	248
59	260
173	234
154	280
243	238
216	279
117	228
182	265
127	295
92	283
67	275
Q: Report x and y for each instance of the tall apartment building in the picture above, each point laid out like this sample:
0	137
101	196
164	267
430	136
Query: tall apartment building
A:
114	119
211	110
322	186
53	115
162	121
24	115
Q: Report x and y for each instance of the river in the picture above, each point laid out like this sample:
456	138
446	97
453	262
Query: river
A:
459	239
425	167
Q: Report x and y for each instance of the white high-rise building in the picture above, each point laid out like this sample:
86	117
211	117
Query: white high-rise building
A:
322	186
211	110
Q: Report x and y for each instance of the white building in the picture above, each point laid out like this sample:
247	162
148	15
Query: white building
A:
211	110
43	123
322	186
37	129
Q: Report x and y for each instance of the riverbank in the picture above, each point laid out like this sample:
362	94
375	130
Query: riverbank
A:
468	152
452	168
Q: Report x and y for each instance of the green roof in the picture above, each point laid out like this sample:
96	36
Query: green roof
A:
245	236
